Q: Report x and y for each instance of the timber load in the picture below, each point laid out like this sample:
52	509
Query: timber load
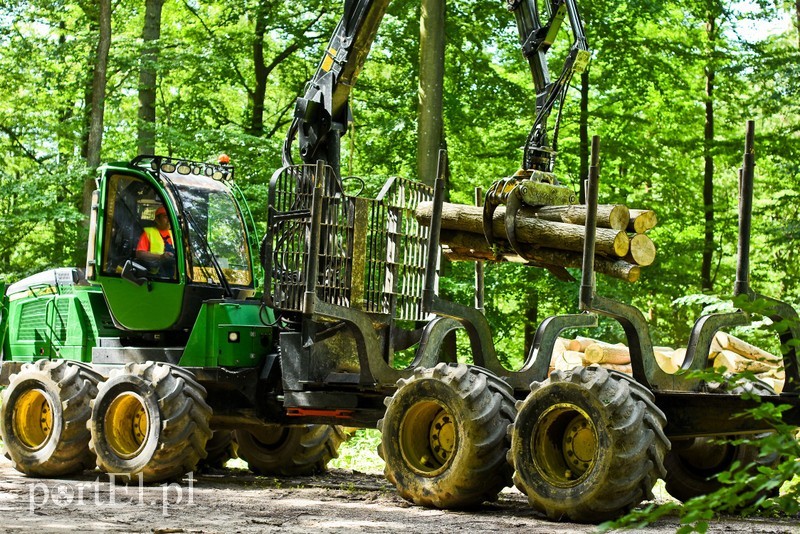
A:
727	354
550	236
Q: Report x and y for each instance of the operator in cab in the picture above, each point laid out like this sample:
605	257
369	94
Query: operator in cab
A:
156	248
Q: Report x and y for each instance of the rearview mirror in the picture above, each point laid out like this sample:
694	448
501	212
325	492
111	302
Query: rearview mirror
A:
135	273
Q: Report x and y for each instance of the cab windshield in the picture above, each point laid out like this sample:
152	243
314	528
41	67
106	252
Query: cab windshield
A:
215	227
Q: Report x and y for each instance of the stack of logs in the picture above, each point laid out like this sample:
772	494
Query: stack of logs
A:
727	351
550	236
739	356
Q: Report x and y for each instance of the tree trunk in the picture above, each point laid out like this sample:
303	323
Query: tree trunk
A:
99	87
616	216
94	27
260	70
531	319
151	33
94	141
430	131
797	19
706	281
461	246
529	229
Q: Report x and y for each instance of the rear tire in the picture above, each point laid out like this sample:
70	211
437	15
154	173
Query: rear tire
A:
44	414
219	449
150	421
289	450
443	436
693	464
588	445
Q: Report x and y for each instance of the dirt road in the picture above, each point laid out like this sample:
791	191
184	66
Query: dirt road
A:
235	501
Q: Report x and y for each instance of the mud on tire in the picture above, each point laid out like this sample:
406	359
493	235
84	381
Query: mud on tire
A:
587	445
289	450
44	414
149	420
444	439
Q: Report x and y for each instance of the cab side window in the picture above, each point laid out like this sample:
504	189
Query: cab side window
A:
130	208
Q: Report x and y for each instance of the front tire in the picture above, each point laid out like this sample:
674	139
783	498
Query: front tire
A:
588	445
44	414
289	450
150	421
443	436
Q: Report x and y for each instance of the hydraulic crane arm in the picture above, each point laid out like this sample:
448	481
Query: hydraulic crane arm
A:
323	112
535	39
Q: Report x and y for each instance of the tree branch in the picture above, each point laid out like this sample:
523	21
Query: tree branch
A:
211	34
25	150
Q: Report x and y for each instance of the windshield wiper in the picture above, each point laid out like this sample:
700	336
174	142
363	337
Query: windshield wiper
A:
203	241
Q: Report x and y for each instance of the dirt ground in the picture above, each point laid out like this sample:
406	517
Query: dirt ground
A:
233	500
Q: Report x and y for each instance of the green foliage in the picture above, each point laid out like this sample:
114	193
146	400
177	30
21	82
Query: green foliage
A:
360	452
646	101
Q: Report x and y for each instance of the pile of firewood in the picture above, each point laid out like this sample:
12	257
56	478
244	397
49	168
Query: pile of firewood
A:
739	356
583	351
727	351
550	236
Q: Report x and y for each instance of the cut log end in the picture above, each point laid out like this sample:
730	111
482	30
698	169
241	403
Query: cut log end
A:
642	250
642	221
621	245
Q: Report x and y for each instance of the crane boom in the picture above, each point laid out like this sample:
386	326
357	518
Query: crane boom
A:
323	112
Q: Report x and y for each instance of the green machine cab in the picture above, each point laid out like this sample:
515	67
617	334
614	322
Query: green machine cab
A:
135	320
122	304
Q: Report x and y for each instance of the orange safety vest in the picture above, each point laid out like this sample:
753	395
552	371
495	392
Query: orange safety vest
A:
157	240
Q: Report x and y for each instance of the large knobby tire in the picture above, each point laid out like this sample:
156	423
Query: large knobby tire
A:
44	414
588	445
219	449
149	422
444	439
289	450
693	464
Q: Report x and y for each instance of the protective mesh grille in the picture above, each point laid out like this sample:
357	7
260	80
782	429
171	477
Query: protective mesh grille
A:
289	238
394	243
397	251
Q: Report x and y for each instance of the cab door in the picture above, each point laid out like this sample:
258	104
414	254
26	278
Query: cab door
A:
128	204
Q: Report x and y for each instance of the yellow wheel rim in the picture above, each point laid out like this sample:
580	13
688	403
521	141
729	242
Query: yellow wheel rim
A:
127	425
564	445
33	419
428	438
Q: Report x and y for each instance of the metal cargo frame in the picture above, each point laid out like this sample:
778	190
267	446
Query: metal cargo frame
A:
372	252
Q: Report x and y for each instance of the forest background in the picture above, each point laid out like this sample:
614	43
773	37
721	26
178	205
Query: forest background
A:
669	88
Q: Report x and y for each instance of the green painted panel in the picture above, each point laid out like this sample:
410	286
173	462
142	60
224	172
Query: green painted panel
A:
229	334
139	308
58	325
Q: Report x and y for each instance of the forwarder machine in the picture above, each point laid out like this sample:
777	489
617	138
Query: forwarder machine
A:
150	361
146	368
